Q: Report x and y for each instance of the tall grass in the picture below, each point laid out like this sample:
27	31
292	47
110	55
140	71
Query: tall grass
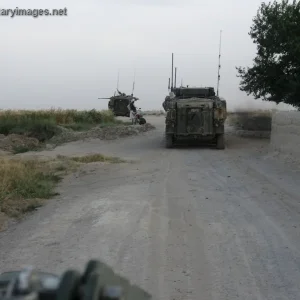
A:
42	124
59	116
23	183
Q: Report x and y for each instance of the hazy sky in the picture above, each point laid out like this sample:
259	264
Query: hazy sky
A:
70	61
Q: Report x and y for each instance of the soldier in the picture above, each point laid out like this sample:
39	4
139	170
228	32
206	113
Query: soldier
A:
132	109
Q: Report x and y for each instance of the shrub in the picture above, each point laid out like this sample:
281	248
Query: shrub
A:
23	183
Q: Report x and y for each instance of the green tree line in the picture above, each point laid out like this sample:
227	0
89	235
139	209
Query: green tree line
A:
275	74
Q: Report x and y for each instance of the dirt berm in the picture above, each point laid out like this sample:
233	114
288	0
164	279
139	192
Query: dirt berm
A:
251	123
13	141
285	134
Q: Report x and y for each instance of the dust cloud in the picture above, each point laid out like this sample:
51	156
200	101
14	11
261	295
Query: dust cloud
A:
249	104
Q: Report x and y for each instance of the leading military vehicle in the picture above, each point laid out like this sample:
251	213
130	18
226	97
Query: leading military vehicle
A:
118	103
195	114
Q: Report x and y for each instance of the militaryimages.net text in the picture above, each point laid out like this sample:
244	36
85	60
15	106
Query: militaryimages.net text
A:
19	12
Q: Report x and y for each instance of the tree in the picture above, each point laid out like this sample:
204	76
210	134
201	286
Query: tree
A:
275	75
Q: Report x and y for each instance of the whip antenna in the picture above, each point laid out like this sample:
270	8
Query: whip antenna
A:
133	83
118	79
219	64
172	80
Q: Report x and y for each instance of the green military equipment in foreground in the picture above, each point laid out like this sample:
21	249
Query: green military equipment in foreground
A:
97	282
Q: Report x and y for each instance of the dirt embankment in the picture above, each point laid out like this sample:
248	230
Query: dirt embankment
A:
13	141
17	143
25	130
103	133
285	135
154	113
251	123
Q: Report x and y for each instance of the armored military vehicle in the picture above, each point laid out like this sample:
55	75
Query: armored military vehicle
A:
118	103
195	114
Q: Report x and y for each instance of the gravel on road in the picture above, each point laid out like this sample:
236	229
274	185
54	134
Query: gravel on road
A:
183	223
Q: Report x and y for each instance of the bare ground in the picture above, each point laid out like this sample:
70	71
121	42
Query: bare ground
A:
183	223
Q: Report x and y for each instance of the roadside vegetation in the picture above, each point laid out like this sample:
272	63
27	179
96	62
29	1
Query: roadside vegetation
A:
30	130
26	183
97	158
42	124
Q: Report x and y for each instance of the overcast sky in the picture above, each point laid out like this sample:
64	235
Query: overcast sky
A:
70	61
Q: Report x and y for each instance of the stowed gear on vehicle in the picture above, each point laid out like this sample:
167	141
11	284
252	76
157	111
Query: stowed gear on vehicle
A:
97	282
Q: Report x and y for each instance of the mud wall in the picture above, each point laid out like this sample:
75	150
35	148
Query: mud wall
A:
285	133
250	120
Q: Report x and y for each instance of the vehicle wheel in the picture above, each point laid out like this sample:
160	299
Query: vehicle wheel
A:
169	141
93	287
142	121
92	266
68	288
221	141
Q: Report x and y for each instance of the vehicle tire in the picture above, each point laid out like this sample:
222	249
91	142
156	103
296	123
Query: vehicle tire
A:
92	266
142	121
68	288
169	140
93	287
221	142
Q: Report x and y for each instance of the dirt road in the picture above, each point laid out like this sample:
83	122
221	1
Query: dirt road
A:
184	223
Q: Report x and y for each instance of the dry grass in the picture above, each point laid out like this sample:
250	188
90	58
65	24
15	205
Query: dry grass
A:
95	158
43	125
60	116
24	183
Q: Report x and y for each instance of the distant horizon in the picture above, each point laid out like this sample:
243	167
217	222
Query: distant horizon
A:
69	61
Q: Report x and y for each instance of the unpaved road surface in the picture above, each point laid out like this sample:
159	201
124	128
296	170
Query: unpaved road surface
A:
183	223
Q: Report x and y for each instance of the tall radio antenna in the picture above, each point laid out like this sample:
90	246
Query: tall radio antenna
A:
118	79
133	83
172	80
219	64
